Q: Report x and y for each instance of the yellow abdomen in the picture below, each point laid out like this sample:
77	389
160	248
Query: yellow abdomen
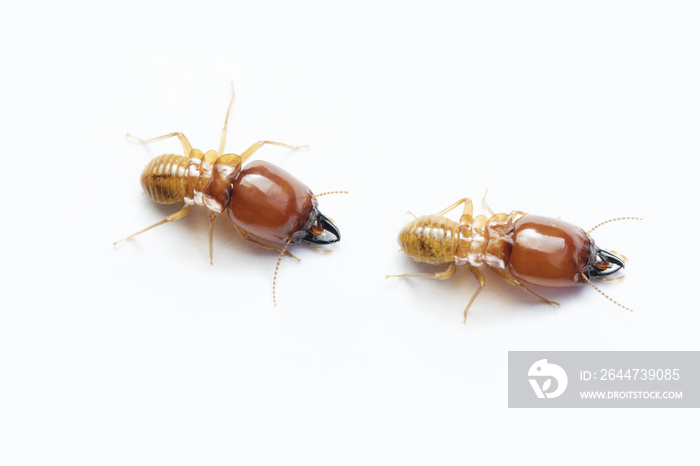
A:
431	239
165	178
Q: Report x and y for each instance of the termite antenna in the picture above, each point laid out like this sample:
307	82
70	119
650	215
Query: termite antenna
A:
277	266
601	292
315	196
613	220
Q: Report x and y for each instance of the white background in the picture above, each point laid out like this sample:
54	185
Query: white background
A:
144	354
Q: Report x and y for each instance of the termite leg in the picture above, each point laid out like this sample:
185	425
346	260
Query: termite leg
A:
247	237
224	130
486	206
317	248
468	208
444	275
610	279
514	281
249	151
212	216
482	283
170	218
186	146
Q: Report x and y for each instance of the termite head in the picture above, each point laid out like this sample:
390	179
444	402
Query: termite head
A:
320	230
551	252
272	206
554	253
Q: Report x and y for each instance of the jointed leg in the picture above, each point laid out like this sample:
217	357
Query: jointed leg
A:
171	218
444	275
486	206
468	207
514	281
222	143
482	283
513	214
608	279
212	216
251	150
186	146
517	213
247	237
318	248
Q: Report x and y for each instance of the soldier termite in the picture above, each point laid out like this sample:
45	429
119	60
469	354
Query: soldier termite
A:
522	249
268	206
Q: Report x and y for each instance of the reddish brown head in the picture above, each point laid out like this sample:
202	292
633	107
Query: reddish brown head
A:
274	207
552	252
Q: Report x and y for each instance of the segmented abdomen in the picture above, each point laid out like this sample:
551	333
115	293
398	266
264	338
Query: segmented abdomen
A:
432	239
165	178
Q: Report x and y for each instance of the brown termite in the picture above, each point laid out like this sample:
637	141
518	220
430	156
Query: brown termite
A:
268	206
521	248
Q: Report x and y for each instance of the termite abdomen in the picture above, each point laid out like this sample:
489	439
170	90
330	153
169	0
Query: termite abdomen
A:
164	179
431	239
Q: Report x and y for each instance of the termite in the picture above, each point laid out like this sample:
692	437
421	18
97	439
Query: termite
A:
521	248
268	206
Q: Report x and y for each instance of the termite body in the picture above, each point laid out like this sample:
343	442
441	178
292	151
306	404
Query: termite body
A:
521	248
268	206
